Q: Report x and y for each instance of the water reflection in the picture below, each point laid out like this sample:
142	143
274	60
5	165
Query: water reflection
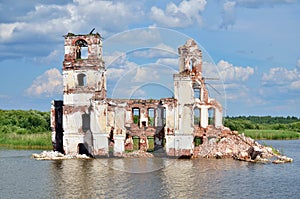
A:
23	177
131	177
137	165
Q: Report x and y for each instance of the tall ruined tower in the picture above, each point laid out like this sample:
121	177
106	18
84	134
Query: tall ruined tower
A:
190	90
193	102
83	80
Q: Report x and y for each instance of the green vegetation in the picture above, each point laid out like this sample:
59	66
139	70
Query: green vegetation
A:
31	129
265	127
275	151
25	129
151	121
136	119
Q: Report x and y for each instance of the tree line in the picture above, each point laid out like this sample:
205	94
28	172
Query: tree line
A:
24	122
240	123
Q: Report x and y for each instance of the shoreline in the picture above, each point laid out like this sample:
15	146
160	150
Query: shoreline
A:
49	147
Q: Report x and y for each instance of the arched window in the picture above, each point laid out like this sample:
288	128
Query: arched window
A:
81	79
81	49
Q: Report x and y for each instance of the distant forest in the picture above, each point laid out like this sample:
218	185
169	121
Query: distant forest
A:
240	123
24	122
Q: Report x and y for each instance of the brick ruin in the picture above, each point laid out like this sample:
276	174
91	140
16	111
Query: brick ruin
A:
87	122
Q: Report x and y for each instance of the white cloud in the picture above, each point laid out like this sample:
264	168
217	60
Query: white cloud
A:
131	91
7	30
118	66
54	56
295	85
182	15
51	20
228	72
230	7
145	74
160	50
47	84
228	14
171	62
281	76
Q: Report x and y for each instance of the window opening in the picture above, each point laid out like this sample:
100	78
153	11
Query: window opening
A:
81	79
197	116
190	64
84	52
211	116
81	49
85	122
136	115
197	91
164	116
151	117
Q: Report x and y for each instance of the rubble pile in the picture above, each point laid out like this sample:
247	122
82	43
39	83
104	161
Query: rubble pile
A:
138	154
55	155
225	143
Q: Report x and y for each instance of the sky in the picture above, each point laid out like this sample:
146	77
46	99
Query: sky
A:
251	50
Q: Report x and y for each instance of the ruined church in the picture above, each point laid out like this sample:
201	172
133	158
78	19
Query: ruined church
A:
88	122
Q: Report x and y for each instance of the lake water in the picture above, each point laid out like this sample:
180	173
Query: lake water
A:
24	177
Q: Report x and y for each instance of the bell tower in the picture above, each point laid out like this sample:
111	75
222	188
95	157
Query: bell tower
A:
83	69
83	80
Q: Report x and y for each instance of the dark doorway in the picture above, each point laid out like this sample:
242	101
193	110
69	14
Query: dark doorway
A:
82	150
58	143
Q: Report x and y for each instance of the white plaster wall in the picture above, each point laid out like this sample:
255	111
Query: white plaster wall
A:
95	128
186	126
69	79
72	122
183	90
92	78
110	120
179	142
102	117
218	119
128	118
170	117
185	95
70	143
78	99
119	146
67	50
143	117
204	116
120	120
100	143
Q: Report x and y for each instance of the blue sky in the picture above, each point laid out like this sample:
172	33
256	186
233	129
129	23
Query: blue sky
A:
251	46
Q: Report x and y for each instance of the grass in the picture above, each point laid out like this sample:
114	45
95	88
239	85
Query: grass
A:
275	151
271	134
27	141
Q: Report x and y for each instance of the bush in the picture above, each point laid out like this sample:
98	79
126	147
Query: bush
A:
23	122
